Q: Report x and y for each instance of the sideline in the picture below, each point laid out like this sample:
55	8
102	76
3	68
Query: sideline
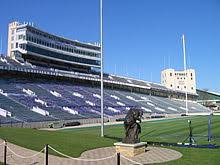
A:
113	123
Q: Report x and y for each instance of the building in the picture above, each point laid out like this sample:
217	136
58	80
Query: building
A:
177	80
209	99
28	43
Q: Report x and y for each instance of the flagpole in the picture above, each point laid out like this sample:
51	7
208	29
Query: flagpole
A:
102	93
184	56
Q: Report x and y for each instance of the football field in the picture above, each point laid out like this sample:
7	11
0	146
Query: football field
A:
77	140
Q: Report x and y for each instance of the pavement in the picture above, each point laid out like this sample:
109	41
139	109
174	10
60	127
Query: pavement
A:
152	155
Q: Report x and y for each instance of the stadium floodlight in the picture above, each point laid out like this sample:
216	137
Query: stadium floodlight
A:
102	92
184	59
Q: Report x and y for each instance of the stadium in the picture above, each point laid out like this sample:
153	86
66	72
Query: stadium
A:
48	81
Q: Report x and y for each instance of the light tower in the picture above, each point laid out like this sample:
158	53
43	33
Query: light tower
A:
102	92
184	60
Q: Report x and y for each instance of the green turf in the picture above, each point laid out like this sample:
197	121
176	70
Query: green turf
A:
74	141
196	156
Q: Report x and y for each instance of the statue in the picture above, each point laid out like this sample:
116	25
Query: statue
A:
132	127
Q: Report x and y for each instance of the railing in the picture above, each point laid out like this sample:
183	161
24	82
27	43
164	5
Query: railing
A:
45	151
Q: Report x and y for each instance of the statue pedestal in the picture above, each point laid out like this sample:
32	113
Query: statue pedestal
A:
130	150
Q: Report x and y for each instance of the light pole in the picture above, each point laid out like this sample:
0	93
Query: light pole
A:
1	47
184	58
102	93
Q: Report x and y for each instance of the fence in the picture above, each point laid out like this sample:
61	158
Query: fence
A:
45	152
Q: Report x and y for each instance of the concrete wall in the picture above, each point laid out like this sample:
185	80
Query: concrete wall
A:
58	124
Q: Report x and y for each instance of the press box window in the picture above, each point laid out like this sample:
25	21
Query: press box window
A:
20	37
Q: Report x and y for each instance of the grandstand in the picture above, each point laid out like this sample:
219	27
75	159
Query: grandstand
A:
30	44
48	78
209	99
28	94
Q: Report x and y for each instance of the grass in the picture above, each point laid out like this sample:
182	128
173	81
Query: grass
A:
196	156
75	141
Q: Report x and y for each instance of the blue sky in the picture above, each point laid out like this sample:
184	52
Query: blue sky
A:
141	37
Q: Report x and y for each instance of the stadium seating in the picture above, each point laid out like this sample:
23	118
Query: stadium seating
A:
73	101
9	62
82	99
19	111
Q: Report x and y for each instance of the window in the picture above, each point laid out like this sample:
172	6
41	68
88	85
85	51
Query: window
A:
192	88
12	46
178	87
171	85
16	45
28	37
12	38
62	56
20	36
170	74
184	86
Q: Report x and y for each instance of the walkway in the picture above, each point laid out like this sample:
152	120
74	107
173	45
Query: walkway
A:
152	155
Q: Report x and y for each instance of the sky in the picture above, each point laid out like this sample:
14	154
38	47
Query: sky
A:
141	37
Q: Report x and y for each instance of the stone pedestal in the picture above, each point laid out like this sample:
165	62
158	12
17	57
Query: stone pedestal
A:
130	150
